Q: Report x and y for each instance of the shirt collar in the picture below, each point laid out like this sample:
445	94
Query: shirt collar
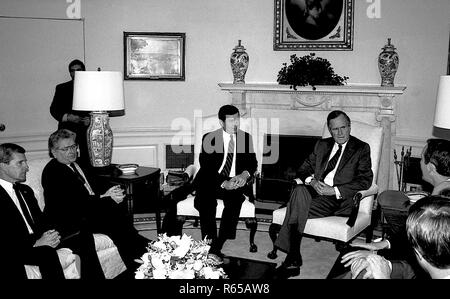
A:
8	186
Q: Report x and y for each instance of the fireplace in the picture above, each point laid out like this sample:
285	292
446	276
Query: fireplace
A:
276	177
303	112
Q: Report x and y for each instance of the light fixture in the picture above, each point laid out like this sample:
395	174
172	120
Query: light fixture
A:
99	92
442	112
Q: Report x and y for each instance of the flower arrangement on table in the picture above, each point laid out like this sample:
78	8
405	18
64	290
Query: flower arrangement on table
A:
178	258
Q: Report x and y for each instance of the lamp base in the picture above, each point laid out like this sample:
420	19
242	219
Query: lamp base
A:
100	139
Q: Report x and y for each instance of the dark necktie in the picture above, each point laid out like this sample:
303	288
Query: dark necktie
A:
227	167
80	177
333	161
23	206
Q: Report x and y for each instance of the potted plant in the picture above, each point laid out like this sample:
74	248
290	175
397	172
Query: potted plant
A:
309	70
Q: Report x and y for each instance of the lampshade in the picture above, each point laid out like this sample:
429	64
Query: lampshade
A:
442	113
98	91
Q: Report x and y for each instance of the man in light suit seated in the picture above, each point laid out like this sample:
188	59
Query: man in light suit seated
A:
338	167
428	232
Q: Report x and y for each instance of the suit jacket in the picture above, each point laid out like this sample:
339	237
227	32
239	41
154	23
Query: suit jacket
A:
16	238
354	172
67	201
212	155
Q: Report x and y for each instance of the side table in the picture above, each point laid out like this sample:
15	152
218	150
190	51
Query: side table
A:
148	176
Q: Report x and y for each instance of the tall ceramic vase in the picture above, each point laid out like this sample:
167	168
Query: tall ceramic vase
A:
388	64
239	63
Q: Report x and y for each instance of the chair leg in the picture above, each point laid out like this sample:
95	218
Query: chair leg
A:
274	229
252	225
340	246
369	234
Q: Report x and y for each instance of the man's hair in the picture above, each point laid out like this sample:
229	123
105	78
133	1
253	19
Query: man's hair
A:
336	113
6	151
227	110
437	152
58	135
428	230
77	62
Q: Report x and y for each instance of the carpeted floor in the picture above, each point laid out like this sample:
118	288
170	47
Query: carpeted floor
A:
318	257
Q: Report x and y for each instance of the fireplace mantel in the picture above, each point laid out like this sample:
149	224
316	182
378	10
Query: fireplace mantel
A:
368	103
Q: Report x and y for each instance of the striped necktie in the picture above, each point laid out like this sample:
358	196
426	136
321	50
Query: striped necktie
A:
227	167
333	161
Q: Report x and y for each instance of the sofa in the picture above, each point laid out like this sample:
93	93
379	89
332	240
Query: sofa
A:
108	254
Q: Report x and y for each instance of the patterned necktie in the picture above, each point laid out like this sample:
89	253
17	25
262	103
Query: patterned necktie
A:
227	167
333	161
80	177
23	206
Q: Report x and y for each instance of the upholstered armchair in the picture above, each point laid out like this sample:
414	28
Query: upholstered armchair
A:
107	252
186	209
335	228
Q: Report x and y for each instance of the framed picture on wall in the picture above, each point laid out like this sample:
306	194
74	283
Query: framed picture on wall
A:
154	56
313	25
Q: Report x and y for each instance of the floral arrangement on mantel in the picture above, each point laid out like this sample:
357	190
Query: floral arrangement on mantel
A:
309	70
178	257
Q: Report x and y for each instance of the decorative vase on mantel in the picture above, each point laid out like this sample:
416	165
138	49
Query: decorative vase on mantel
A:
388	64
239	63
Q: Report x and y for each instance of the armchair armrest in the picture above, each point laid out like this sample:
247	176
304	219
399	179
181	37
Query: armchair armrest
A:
371	191
191	170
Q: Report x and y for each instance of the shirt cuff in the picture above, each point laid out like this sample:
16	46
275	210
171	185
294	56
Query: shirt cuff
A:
338	194
308	180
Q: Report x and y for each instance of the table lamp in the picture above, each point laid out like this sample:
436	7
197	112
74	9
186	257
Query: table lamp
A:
99	92
442	112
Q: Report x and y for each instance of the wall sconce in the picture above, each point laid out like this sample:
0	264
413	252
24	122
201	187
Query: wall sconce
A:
442	112
99	92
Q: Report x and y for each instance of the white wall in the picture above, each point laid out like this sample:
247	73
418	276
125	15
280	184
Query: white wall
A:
419	30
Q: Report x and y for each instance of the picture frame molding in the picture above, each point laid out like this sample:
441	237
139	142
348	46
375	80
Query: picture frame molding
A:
175	36
337	40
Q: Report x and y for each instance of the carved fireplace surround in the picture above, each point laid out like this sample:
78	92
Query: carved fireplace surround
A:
304	111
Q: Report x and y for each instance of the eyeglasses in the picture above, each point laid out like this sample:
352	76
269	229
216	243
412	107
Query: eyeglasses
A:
68	148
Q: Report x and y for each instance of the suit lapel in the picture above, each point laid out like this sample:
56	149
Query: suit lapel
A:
348	153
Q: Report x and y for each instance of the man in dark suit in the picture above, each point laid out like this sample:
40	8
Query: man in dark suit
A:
26	239
338	167
227	162
61	110
74	203
428	233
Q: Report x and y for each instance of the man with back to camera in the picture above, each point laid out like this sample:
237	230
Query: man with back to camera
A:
227	163
61	110
435	167
428	233
27	240
338	167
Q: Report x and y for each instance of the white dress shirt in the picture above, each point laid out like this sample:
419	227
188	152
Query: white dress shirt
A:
226	141
10	190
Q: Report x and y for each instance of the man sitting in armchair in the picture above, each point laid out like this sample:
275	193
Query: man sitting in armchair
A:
338	167
227	162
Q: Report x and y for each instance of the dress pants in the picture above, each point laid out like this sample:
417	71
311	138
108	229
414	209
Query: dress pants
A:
47	259
303	204
83	244
110	219
205	203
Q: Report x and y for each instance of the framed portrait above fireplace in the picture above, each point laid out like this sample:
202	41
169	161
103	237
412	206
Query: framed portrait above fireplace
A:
313	25
154	55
